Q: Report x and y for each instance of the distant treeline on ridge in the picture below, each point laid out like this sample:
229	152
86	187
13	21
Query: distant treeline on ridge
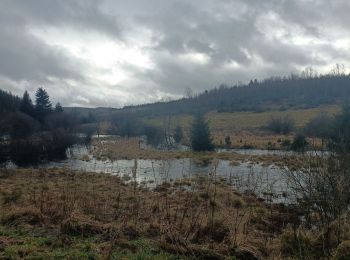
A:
276	93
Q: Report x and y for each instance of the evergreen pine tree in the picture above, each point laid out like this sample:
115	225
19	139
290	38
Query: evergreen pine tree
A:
43	106
26	105
200	135
58	108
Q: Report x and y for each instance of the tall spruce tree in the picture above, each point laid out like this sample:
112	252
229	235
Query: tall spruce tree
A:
200	135
26	105
43	106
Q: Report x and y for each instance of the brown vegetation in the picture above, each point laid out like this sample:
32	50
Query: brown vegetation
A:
200	217
130	148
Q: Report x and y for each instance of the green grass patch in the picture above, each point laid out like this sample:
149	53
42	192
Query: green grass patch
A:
27	244
143	250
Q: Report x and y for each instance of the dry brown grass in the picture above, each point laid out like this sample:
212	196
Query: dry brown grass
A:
253	139
124	148
129	148
209	219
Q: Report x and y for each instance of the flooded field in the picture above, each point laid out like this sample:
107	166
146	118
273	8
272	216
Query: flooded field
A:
267	182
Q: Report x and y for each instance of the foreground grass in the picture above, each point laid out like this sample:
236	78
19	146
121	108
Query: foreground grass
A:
27	243
59	213
63	214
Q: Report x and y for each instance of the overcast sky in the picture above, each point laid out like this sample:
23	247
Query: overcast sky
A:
116	52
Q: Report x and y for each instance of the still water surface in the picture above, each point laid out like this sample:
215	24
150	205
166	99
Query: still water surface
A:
268	182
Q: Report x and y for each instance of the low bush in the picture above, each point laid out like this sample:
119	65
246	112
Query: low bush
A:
280	125
24	152
299	143
44	146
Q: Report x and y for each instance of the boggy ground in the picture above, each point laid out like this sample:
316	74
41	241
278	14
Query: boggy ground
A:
59	213
130	148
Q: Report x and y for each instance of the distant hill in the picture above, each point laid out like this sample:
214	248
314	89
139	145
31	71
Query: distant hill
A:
85	111
285	93
278	93
91	115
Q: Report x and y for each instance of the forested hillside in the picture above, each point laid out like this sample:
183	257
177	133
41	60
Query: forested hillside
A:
277	93
269	94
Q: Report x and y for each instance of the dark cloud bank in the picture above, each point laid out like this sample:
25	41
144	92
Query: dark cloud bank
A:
168	45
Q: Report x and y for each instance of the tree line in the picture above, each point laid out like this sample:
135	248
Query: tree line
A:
33	132
8	102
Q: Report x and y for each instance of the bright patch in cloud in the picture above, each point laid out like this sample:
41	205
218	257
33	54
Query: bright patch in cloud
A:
196	57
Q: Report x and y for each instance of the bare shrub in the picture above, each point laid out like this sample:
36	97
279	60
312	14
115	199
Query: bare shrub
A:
280	125
299	143
19	125
322	190
319	126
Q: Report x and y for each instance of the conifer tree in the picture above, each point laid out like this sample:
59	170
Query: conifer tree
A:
200	135
43	106
26	105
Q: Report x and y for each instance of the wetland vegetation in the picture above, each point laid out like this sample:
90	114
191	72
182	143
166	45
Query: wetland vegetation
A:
125	186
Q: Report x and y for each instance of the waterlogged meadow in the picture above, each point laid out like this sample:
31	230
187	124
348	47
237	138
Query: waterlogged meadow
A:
266	181
121	199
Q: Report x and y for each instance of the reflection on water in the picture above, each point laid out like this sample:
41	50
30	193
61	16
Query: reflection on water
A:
267	182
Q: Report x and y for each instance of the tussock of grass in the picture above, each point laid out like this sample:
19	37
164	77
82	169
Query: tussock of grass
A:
19	216
81	225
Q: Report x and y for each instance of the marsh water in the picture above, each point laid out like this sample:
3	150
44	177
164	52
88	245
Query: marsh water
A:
267	182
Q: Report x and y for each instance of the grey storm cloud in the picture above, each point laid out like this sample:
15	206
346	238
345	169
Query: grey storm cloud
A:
167	45
84	14
23	57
